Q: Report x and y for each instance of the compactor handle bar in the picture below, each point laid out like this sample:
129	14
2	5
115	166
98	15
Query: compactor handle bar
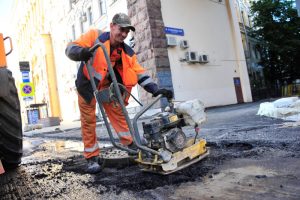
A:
133	130
118	93
96	46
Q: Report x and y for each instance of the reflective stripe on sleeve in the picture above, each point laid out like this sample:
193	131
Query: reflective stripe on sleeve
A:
92	149
97	41
140	76
146	81
70	47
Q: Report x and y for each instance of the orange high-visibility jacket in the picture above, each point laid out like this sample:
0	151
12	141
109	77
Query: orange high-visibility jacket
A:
132	72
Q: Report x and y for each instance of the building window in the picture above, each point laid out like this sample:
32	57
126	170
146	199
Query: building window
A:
83	22
70	5
257	54
90	15
112	2
81	26
102	6
73	1
73	32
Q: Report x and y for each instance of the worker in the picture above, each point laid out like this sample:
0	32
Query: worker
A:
128	72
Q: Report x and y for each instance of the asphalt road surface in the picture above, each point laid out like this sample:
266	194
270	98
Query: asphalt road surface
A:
251	157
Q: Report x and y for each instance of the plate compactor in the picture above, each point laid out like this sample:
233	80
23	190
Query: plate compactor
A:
164	147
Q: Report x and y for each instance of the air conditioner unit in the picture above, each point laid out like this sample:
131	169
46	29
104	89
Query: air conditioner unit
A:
184	44
203	58
191	57
171	41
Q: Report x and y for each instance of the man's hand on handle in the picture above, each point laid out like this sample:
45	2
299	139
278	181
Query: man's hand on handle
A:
164	92
85	54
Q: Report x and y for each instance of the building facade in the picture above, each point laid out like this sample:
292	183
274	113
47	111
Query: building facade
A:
252	54
193	48
35	45
209	28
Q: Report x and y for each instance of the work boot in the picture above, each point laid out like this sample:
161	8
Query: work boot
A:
133	147
93	166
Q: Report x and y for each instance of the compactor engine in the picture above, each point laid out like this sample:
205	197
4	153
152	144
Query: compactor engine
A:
164	131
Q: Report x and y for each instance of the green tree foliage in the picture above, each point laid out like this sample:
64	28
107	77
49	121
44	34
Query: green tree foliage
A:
277	26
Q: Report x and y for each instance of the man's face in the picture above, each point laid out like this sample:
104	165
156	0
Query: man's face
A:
118	34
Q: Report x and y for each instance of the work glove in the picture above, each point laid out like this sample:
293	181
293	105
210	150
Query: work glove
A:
85	54
164	92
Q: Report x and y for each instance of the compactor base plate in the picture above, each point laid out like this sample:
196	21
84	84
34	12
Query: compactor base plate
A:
191	154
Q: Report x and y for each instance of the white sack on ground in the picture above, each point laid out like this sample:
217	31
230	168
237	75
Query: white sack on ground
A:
285	108
285	102
192	111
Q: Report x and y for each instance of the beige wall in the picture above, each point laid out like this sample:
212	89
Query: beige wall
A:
209	29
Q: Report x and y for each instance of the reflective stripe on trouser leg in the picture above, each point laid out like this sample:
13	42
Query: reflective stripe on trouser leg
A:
91	149
88	127
117	119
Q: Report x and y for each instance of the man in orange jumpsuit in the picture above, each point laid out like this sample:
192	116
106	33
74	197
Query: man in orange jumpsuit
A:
128	72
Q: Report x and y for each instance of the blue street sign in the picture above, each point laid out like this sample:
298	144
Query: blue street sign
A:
27	89
25	77
28	98
237	81
174	31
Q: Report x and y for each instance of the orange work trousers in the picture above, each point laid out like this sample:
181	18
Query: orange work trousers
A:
88	125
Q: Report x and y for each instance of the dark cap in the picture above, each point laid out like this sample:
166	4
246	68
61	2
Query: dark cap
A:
123	20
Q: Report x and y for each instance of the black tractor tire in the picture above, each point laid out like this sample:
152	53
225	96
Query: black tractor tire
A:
11	141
